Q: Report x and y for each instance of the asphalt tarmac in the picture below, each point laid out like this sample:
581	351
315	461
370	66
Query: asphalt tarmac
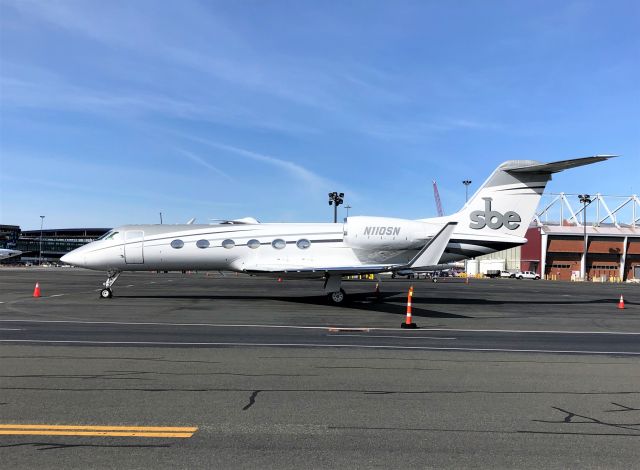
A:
201	371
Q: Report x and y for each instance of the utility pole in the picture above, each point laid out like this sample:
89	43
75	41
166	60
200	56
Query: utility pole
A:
347	207
40	250
466	189
585	199
335	199
160	218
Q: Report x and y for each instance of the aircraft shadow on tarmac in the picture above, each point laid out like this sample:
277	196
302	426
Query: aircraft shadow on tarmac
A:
358	301
386	302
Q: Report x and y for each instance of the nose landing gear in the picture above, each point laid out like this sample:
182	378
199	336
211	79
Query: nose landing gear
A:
106	293
112	277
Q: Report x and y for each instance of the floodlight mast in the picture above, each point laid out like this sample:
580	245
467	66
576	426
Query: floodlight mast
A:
335	199
585	199
466	189
40	248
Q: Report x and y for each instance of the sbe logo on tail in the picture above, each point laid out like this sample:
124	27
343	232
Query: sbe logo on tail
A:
494	219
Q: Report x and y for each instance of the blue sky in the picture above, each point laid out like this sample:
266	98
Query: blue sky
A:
111	112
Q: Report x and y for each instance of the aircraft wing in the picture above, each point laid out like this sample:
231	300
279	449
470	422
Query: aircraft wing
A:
321	271
429	255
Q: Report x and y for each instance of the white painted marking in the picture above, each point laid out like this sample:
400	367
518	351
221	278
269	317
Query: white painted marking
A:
130	285
381	336
11	329
312	345
56	295
296	327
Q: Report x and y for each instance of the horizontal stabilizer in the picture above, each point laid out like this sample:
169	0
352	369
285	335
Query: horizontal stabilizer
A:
432	252
555	167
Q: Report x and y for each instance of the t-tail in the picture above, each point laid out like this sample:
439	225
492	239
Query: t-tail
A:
505	204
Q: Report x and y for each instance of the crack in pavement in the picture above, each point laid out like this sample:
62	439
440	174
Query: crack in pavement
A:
252	400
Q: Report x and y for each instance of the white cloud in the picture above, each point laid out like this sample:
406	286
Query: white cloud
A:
204	163
295	170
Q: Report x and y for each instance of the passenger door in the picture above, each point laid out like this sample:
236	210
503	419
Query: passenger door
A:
133	247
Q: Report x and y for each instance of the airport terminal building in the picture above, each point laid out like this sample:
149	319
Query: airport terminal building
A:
50	244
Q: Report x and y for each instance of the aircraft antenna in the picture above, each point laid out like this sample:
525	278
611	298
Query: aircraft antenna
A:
438	202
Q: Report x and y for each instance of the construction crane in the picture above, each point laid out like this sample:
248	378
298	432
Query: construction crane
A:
438	202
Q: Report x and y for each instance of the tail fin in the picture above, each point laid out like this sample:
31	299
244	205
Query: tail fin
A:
505	204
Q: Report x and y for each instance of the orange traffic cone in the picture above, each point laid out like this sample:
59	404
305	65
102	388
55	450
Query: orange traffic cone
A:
408	323
621	303
36	290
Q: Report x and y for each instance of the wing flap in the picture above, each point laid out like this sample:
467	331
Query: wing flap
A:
362	269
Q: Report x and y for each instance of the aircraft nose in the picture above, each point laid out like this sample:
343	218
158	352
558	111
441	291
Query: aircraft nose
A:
73	258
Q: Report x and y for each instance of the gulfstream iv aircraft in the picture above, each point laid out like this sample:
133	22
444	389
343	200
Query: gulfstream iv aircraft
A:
495	218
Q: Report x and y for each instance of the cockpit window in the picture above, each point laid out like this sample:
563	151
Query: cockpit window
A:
110	235
105	235
113	236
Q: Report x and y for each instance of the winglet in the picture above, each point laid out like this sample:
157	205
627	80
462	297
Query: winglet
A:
432	252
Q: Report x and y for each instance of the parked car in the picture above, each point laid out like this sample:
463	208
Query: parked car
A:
507	274
527	275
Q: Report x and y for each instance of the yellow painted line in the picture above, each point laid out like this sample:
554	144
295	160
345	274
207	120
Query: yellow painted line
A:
33	432
99	428
88	430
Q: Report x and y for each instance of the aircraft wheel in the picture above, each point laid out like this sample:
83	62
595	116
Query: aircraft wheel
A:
338	297
106	293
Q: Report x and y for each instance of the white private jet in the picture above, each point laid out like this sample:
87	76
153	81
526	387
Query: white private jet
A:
7	253
495	218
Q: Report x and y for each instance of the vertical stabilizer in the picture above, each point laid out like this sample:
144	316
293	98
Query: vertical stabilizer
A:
505	204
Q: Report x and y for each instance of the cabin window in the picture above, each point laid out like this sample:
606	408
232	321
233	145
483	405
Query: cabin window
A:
177	244
228	244
253	244
278	243
303	244
202	244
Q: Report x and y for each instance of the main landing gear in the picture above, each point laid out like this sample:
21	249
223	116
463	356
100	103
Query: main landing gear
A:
338	297
335	294
112	277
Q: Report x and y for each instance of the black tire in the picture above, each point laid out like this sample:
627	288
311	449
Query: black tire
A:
338	297
106	293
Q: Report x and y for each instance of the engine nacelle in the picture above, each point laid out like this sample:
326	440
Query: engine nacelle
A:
384	233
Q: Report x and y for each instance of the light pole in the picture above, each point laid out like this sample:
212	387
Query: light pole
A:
160	218
347	207
335	199
40	250
585	199
466	189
